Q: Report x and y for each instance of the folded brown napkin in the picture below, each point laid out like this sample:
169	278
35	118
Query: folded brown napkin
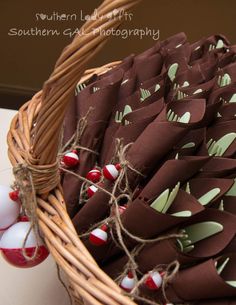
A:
154	222
228	57
166	251
222	94
137	120
195	91
135	104
200	186
201	47
147	67
229	204
145	154
92	136
226	75
203	282
227	112
179	56
218	167
221	129
172	104
221	301
173	42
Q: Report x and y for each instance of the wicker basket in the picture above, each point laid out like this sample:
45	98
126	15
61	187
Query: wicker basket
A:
33	142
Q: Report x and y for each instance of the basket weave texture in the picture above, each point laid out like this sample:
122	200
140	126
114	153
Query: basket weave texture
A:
33	142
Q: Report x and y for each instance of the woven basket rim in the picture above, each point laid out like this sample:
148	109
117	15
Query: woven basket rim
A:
27	139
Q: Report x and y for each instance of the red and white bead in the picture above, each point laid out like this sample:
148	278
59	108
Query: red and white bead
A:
9	209
121	209
94	175
14	195
128	282
12	242
71	159
111	171
154	280
98	236
91	190
23	218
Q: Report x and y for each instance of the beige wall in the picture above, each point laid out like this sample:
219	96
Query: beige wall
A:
27	61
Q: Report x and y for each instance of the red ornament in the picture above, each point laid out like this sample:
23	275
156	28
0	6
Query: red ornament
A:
111	171
98	237
71	159
154	280
94	175
14	195
128	282
91	190
23	218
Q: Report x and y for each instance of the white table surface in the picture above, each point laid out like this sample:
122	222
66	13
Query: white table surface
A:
33	286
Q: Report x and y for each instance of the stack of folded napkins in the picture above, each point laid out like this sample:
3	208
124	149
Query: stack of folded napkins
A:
176	104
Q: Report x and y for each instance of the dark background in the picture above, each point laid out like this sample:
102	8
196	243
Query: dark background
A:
26	61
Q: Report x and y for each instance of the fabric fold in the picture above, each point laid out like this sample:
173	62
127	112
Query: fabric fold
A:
203	282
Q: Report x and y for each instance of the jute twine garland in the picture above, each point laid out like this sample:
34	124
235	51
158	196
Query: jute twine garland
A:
73	142
24	182
29	181
121	186
32	179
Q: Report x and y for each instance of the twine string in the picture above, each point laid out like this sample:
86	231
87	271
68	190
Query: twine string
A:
121	152
73	142
25	179
63	283
122	185
25	184
170	273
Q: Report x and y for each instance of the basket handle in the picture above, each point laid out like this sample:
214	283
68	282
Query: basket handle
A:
58	89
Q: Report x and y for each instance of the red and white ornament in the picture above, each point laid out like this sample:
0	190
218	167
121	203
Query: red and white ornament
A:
91	190
128	282
9	209
121	209
154	280
111	171
23	218
12	242
71	159
94	175
14	195
98	237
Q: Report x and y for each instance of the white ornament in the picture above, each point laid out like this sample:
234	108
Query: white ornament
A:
128	282
9	209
